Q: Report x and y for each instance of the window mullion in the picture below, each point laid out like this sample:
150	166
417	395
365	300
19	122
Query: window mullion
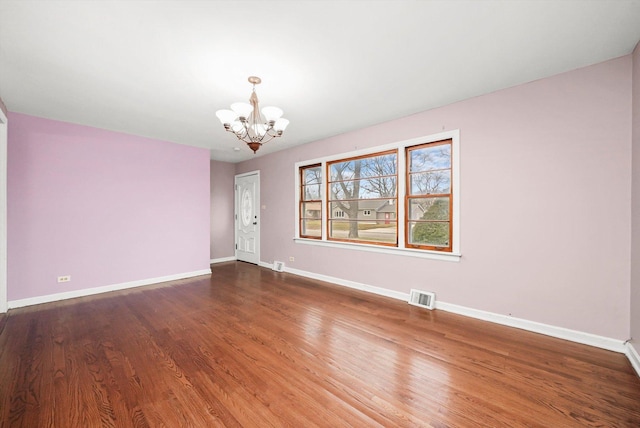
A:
324	188
401	190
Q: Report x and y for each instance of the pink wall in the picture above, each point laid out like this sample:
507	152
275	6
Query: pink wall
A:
545	206
222	200
104	207
635	213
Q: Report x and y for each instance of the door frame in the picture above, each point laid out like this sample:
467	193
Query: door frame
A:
3	212
235	211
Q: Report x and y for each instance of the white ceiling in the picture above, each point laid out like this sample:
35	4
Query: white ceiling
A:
162	68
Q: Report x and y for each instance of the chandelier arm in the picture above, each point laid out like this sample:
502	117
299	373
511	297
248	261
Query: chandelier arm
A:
238	132
272	132
271	137
240	135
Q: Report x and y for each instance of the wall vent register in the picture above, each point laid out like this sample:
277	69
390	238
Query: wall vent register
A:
423	299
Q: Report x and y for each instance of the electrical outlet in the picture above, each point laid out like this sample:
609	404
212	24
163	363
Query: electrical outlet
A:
65	278
292	259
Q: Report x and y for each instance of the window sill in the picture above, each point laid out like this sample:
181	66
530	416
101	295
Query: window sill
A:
423	254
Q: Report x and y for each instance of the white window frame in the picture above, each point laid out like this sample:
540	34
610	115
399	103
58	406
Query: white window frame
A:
366	213
400	146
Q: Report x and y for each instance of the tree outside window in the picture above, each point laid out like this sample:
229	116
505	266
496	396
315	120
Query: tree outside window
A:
360	185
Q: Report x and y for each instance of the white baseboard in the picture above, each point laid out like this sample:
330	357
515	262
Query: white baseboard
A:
346	283
105	289
634	356
222	260
610	344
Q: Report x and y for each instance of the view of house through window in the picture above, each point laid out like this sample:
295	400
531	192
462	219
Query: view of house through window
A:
362	199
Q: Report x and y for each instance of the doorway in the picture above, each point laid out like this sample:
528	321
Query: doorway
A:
247	220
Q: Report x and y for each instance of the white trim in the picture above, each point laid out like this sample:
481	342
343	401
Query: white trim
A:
602	342
400	207
222	260
350	284
455	164
424	254
445	135
633	356
454	255
105	289
3	212
245	174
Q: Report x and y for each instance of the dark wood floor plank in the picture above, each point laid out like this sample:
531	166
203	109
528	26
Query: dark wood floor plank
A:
249	347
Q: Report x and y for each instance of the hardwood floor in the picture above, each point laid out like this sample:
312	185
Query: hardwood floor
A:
249	347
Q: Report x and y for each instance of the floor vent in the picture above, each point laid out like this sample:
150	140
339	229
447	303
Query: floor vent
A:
278	266
424	299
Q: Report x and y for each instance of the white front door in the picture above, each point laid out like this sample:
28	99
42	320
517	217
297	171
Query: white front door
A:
247	217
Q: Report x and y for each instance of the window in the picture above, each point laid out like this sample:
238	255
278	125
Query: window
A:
359	184
428	196
310	202
401	198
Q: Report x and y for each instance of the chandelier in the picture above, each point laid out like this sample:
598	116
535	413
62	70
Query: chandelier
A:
246	122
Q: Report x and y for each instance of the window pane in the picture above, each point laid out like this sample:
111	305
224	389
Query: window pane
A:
343	170
342	190
429	209
374	166
429	233
378	166
430	158
311	192
425	183
311	210
363	199
312	175
384	232
428	219
379	210
381	187
310	228
342	210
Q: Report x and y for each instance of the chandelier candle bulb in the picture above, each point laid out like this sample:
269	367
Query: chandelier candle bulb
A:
249	125
272	114
226	117
243	110
280	125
